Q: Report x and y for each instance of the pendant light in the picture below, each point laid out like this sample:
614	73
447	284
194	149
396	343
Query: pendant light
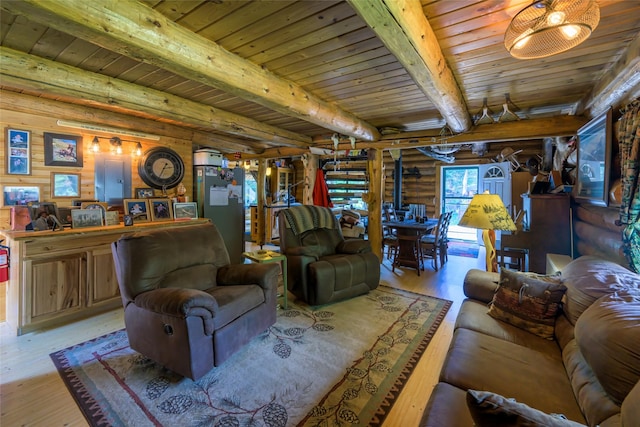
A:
548	27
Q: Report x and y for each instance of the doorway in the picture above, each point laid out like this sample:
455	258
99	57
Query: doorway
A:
112	178
461	183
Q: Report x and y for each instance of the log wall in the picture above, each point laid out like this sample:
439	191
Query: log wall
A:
595	233
425	189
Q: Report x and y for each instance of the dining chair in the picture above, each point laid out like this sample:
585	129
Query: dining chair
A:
389	237
435	246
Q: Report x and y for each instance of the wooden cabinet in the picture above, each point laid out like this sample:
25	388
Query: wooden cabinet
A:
57	277
549	229
279	183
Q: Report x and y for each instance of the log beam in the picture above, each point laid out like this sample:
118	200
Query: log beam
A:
403	28
13	101
29	72
133	29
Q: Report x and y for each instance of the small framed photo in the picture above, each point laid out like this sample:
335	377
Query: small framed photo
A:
144	193
81	218
37	209
161	209
112	218
138	209
20	195
18	152
101	206
185	210
62	150
65	184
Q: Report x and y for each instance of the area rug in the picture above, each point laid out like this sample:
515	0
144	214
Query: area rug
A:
469	250
340	364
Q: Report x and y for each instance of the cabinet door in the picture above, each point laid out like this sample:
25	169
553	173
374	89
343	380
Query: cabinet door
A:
57	284
104	284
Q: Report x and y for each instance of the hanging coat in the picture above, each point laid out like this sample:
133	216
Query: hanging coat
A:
321	191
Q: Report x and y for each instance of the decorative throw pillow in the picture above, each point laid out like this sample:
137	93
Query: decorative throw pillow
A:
528	301
492	410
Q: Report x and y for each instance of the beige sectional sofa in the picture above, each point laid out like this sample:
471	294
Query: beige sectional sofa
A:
589	371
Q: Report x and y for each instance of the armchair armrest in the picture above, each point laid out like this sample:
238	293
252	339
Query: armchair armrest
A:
263	275
353	246
178	302
480	284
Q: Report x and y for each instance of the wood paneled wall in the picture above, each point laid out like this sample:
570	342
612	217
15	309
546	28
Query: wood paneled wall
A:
41	175
424	190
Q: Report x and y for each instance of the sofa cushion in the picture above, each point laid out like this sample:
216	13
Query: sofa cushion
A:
446	407
234	301
493	410
608	334
479	361
528	301
588	278
631	408
473	315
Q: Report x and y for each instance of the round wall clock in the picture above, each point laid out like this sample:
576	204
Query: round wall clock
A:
161	168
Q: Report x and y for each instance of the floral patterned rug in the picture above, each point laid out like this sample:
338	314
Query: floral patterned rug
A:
339	364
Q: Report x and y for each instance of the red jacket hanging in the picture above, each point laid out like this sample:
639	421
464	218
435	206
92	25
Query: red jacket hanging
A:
321	191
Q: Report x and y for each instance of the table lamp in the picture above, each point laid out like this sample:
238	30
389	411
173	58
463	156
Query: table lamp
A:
487	212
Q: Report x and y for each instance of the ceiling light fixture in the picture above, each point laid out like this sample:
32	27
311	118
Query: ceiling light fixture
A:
549	27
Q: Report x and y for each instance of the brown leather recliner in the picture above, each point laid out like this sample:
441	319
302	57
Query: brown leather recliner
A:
323	267
185	306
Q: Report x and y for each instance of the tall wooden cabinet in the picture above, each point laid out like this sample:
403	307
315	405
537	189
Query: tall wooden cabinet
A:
549	231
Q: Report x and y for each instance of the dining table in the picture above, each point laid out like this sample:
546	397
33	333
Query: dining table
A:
409	233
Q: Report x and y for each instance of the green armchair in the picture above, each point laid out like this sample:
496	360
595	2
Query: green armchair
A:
323	267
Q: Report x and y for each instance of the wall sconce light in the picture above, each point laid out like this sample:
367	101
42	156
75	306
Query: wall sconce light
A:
116	145
268	169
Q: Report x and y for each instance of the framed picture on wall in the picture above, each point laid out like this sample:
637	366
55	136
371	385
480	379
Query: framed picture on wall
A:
20	195
62	150
18	152
65	184
594	160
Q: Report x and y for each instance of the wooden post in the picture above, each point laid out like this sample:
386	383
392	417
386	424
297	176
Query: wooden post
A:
310	169
374	200
262	180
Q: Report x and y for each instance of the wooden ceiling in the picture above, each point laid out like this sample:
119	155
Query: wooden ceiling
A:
253	75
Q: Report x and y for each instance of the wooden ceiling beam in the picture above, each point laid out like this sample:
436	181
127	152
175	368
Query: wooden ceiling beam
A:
497	132
403	28
29	72
133	29
621	82
41	106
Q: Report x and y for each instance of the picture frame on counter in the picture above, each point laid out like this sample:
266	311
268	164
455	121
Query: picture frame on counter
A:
137	209
185	210
62	150
144	193
161	209
18	153
81	218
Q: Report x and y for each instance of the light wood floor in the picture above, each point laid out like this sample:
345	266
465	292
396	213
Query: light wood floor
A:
32	393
